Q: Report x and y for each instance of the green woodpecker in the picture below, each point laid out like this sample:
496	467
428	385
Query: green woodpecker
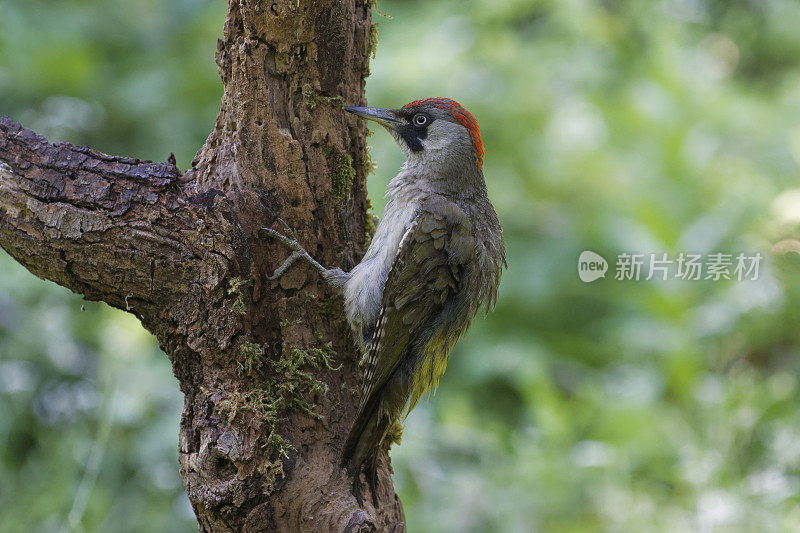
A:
434	260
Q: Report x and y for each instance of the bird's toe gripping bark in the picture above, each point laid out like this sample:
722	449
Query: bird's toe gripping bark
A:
298	252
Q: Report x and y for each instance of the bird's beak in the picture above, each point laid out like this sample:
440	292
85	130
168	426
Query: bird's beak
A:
384	117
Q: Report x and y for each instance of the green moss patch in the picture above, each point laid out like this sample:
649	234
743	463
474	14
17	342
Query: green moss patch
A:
250	357
342	172
236	288
291	390
313	98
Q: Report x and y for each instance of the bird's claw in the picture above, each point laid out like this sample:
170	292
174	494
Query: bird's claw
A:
298	252
286	264
288	241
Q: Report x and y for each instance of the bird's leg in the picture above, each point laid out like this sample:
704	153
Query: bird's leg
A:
336	277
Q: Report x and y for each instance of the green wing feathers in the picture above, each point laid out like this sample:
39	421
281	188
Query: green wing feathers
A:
408	351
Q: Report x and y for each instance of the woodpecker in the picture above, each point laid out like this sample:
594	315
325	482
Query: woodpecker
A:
434	261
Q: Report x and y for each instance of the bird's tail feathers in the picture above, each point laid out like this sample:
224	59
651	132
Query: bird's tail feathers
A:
363	445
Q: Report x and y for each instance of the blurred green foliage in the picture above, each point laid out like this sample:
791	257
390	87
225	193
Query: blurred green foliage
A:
614	126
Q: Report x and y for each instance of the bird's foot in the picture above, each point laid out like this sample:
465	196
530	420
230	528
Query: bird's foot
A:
298	252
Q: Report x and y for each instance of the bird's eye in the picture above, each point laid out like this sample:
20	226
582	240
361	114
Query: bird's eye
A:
420	120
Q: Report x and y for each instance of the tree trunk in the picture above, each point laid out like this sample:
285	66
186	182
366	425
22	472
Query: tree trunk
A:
268	369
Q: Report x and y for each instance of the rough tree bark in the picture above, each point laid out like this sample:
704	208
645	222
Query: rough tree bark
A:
268	370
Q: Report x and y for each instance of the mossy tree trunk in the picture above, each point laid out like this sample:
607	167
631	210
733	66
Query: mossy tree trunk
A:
268	369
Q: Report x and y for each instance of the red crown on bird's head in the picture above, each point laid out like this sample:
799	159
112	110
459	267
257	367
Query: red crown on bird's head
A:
461	115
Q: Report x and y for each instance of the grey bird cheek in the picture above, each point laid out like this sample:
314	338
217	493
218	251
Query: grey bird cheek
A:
435	144
443	138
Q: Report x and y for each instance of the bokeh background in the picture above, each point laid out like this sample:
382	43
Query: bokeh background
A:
617	126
